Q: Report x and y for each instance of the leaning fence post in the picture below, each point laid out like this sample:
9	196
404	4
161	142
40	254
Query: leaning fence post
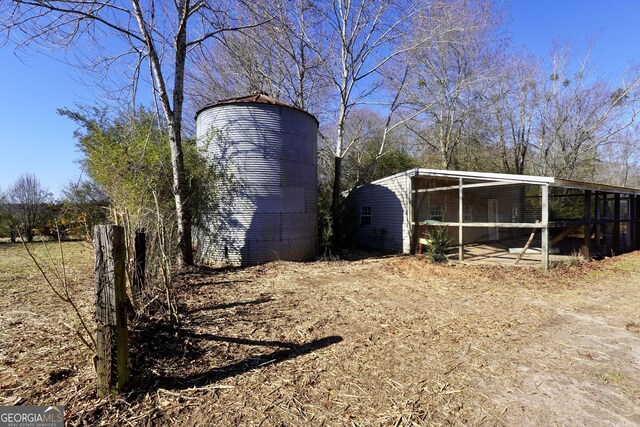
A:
112	336
140	261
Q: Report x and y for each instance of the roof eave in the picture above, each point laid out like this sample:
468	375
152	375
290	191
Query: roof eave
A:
580	185
516	179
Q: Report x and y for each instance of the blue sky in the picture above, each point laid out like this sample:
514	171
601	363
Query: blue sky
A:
614	24
33	138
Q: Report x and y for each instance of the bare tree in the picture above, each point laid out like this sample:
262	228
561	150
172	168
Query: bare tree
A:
393	88
580	116
365	128
514	104
362	36
157	35
450	73
6	218
275	58
242	66
28	199
8	221
86	205
379	148
620	162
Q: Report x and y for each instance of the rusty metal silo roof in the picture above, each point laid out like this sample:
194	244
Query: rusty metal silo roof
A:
256	97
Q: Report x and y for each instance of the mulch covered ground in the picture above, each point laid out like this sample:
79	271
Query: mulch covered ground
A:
375	341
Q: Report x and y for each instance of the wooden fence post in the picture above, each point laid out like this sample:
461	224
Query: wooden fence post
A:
111	317
140	261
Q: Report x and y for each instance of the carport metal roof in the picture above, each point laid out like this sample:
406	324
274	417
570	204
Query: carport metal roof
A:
515	179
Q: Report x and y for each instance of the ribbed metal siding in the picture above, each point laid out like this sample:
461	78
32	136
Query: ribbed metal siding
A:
268	201
390	203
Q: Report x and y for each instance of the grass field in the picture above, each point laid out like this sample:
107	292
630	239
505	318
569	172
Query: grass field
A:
381	341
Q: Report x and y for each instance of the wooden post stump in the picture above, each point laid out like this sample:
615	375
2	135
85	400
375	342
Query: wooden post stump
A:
111	318
140	261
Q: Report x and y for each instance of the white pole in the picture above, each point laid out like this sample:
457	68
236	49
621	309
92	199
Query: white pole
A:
545	227
460	220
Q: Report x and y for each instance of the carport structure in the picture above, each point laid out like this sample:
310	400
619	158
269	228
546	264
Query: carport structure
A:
523	215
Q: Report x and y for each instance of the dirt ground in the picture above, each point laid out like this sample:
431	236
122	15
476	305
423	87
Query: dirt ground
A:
392	341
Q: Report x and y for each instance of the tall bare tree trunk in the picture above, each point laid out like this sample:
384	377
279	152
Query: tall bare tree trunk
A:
335	202
180	190
174	120
337	167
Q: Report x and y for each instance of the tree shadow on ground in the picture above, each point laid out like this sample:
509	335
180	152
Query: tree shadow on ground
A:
230	305
290	351
207	276
167	356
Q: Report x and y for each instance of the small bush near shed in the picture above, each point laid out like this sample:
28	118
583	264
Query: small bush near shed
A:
439	245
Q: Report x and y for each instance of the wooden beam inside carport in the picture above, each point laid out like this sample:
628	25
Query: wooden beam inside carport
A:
585	250
632	222
616	224
483	224
598	226
466	186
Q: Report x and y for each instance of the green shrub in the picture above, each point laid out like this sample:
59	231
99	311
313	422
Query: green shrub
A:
439	245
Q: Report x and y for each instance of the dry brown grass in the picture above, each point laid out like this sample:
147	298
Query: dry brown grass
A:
382	341
40	348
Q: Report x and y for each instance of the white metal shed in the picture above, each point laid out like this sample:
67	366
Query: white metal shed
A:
502	210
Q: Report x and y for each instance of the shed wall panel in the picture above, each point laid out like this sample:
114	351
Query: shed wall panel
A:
390	202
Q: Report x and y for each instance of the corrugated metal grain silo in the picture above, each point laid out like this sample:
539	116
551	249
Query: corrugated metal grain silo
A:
266	152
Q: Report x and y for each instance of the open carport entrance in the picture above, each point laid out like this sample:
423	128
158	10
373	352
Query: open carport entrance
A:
522	219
